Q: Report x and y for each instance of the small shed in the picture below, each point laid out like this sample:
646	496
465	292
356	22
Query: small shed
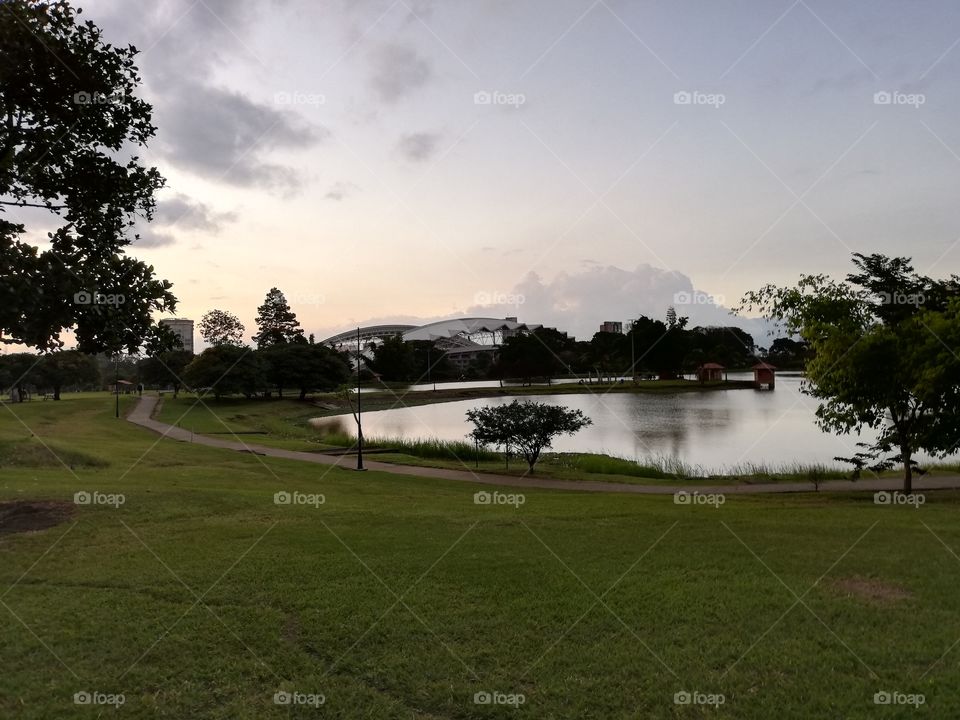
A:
764	376
710	372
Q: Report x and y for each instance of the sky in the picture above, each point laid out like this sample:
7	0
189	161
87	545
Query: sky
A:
566	162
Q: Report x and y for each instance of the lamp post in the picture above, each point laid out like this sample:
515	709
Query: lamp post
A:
359	420
116	384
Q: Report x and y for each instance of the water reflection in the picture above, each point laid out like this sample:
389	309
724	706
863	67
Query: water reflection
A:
713	430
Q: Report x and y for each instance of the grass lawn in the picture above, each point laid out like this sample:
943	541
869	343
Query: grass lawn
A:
199	597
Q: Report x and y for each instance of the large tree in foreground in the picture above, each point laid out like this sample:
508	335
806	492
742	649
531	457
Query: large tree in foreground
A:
70	124
527	426
884	343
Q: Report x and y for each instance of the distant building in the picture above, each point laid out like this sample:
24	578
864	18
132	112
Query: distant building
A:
612	326
183	329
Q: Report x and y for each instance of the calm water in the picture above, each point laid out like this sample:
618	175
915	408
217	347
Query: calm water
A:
714	430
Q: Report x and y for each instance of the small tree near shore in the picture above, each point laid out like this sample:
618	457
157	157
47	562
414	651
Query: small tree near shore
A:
529	427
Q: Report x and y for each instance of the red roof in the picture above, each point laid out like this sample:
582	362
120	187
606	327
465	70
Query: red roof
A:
711	366
763	366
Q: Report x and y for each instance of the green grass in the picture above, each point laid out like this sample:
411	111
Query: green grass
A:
491	597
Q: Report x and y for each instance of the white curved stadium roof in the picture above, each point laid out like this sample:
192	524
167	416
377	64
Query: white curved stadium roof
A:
464	326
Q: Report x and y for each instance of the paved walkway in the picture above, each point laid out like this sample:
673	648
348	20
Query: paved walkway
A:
141	415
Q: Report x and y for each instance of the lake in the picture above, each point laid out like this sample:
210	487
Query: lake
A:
714	429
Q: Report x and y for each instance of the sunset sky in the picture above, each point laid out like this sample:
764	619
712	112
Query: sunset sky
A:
344	151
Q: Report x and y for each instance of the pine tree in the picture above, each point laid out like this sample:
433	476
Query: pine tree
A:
276	321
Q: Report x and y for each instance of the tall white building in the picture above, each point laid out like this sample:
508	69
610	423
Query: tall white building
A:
183	329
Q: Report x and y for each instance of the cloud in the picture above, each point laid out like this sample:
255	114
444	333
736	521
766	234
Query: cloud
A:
341	190
578	302
398	70
182	213
418	147
224	136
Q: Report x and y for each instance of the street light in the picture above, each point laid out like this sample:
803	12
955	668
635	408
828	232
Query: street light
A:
359	420
116	383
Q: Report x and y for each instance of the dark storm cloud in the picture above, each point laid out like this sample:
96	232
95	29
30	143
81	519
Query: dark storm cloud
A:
418	147
214	132
398	70
224	136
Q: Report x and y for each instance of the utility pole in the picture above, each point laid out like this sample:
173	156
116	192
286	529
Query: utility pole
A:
359	420
116	383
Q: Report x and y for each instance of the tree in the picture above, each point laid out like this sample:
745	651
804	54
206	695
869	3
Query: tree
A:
70	125
226	369
541	353
394	359
305	366
66	367
161	339
18	371
219	327
528	426
166	368
884	346
276	322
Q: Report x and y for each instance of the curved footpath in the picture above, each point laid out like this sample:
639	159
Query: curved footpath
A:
141	415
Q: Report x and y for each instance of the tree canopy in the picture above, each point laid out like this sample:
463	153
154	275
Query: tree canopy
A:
220	327
276	322
528	426
70	124
884	343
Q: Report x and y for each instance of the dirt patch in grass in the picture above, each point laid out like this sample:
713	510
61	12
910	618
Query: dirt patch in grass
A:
32	515
871	589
